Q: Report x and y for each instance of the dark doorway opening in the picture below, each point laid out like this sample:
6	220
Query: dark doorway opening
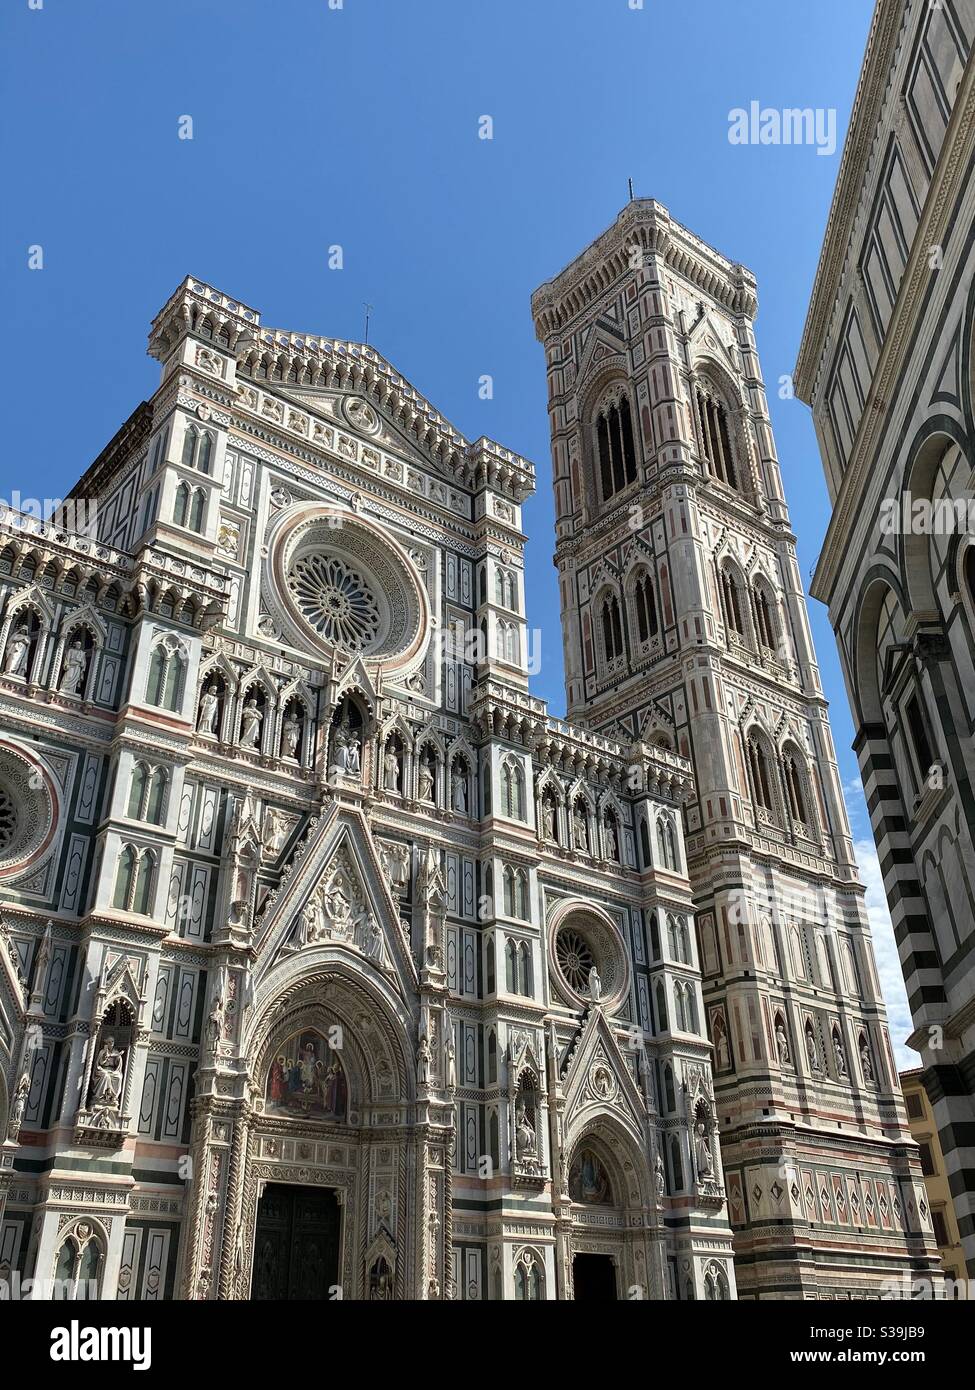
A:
296	1247
594	1279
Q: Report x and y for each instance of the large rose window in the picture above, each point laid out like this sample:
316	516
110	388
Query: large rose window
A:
342	584
27	810
575	958
584	938
336	600
8	820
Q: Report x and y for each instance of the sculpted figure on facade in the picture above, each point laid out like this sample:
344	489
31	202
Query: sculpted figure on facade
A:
250	724
209	710
423	1060
425	779
702	1152
18	1106
75	665
524	1134
290	733
18	650
106	1092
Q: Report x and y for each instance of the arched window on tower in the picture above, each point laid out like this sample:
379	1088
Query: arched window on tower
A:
716	437
614	446
759	769
731	604
612	627
647	622
763	611
794	789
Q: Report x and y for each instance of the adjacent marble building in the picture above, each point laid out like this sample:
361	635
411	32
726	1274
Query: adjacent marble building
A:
886	364
331	965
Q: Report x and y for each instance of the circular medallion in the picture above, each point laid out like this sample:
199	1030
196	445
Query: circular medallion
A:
360	415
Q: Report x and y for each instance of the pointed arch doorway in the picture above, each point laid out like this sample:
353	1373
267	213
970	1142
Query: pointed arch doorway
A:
594	1278
297	1244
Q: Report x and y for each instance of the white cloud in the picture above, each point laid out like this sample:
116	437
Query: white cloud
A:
885	950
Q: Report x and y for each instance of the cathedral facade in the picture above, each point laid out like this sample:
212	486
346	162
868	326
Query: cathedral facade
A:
332	966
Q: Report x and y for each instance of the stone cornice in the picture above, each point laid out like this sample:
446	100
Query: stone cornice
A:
604	263
861	133
956	152
339	365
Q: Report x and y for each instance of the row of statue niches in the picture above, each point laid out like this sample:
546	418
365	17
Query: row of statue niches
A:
18	659
812	1051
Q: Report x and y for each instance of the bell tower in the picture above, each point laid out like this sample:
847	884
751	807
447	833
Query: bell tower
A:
685	625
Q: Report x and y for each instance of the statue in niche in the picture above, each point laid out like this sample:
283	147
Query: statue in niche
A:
340	747
18	650
659	1178
811	1052
275	831
345	758
423	1061
580	835
75	665
290	734
425	779
353	755
250	724
18	1107
380	1282
702	1152
451	1065
209	710
548	820
595	985
396	862
865	1061
106	1092
840	1055
215	1026
390	769
612	849
458	790
782	1045
721	1044
524	1134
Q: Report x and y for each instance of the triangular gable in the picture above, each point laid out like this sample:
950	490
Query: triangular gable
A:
604	350
336	895
706	341
598	1076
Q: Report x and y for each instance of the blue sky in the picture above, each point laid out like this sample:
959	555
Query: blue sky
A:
358	126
